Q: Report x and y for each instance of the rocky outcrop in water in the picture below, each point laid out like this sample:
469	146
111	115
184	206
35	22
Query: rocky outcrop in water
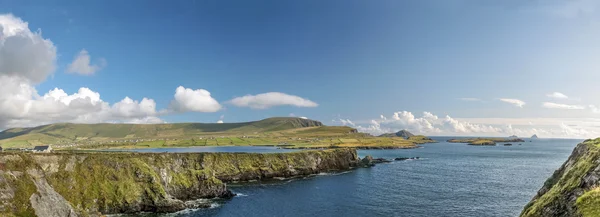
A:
91	184
573	189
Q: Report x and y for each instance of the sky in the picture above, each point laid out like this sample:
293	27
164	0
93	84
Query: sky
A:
457	67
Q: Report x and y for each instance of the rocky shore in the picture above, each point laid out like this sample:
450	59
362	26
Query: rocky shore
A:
94	184
573	189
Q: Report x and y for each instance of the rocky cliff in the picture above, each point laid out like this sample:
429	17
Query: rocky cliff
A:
573	189
91	184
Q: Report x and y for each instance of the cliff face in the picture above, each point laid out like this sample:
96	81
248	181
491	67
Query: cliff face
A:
573	189
90	184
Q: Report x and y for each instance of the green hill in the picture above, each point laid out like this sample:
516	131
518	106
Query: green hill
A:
64	133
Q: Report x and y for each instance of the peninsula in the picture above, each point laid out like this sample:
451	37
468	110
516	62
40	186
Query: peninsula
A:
98	183
284	132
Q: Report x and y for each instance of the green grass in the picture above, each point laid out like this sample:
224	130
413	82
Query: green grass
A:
482	142
588	204
565	181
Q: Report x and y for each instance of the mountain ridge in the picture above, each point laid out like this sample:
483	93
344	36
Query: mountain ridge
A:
65	132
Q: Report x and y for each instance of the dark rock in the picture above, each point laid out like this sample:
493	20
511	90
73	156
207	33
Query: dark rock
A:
367	161
406	158
507	144
381	160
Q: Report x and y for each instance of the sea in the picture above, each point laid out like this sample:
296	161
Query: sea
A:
448	179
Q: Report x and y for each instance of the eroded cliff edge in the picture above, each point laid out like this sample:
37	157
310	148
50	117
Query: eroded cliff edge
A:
573	189
90	184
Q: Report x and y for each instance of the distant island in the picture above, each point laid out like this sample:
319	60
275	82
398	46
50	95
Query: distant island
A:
534	136
513	136
402	133
418	139
485	141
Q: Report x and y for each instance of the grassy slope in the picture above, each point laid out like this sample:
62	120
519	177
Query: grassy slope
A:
271	131
566	184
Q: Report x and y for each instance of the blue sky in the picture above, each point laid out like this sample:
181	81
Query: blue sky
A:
355	60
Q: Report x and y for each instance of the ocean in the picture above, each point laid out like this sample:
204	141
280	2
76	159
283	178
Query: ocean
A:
449	179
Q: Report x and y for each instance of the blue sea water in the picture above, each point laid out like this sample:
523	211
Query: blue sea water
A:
449	180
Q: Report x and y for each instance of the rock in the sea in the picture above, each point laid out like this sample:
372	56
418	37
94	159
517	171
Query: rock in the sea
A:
507	144
381	160
369	161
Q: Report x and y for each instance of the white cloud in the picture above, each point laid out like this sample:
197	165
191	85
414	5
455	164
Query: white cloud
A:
145	120
347	122
574	131
303	117
594	109
199	100
515	102
221	118
23	53
430	124
557	95
468	128
129	108
21	105
268	100
552	105
82	64
26	59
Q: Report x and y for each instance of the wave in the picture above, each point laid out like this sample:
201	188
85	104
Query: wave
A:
240	195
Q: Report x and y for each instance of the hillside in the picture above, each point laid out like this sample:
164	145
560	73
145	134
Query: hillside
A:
64	133
573	189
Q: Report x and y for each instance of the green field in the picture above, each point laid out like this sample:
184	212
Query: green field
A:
288	132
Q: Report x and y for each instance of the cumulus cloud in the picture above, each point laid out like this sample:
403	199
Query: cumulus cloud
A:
199	100
23	53
552	105
514	102
23	106
467	128
431	124
220	121
557	95
129	108
271	99
82	64
27	59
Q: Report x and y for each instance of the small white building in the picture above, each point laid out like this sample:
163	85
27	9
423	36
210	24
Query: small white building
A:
42	149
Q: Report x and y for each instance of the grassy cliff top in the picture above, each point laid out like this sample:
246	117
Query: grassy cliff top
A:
64	133
285	132
573	189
